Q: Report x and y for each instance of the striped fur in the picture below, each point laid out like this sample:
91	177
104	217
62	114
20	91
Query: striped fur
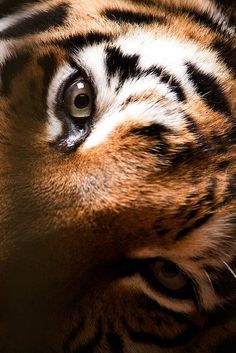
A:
88	211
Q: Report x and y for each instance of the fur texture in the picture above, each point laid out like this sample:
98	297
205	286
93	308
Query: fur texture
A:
85	215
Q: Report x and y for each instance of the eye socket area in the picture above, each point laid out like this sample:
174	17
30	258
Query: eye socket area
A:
162	275
78	99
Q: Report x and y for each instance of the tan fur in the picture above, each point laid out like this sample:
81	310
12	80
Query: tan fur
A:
67	219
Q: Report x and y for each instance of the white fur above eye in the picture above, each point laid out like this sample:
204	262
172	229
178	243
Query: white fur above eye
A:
165	52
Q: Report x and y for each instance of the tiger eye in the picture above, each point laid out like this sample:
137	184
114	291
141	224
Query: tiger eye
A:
169	275
78	99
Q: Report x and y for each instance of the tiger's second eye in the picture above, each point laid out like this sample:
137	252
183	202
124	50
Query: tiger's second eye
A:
79	99
169	275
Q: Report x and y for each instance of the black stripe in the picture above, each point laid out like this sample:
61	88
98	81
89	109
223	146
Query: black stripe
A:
92	344
231	189
231	135
195	130
143	337
223	165
219	142
229	9
155	70
127	16
165	77
158	132
207	87
143	2
177	89
12	67
48	65
184	154
188	203
198	223
149	305
78	41
40	22
126	66
115	342
202	18
9	6
153	130
160	230
227	54
206	200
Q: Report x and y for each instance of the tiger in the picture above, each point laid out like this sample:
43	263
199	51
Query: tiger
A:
118	176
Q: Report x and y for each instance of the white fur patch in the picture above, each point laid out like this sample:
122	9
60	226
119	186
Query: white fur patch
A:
108	100
54	125
169	53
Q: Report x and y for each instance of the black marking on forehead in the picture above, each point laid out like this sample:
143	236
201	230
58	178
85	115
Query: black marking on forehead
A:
126	66
12	67
115	342
79	41
9	6
127	16
42	21
165	77
197	224
227	53
208	88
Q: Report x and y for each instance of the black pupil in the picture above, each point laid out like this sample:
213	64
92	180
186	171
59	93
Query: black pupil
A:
81	101
169	270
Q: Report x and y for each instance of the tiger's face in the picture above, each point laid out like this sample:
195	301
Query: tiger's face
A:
117	144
